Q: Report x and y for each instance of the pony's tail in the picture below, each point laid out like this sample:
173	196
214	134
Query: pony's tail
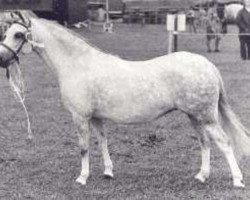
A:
239	135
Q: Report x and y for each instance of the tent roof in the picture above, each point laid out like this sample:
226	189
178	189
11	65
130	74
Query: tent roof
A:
172	3
155	4
161	3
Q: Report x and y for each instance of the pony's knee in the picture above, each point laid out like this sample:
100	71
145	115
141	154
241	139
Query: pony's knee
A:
84	152
84	145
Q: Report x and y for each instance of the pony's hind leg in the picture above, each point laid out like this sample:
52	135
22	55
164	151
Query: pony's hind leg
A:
205	151
83	134
216	132
102	140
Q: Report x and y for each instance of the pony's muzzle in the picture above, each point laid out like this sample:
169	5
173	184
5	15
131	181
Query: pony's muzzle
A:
3	64
7	56
4	59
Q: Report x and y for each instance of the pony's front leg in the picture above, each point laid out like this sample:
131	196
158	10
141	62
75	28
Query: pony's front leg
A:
103	143
83	134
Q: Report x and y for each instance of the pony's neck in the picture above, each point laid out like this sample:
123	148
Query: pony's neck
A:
62	48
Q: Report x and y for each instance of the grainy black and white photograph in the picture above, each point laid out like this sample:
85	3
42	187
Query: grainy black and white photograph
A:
125	99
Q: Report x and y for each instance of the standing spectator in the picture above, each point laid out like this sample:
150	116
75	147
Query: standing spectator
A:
214	27
191	20
202	18
243	22
101	14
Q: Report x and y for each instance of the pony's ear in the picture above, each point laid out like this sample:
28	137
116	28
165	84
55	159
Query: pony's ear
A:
15	17
22	17
29	24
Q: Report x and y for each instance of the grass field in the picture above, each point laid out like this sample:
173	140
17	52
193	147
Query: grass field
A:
151	161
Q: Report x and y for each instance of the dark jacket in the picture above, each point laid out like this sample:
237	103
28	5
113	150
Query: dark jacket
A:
243	21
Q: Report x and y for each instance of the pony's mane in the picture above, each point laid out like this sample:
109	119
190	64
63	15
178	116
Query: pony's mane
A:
69	34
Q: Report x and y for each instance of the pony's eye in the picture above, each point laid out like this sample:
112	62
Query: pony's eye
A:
19	35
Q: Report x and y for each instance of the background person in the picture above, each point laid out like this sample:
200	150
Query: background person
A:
243	22
213	27
191	21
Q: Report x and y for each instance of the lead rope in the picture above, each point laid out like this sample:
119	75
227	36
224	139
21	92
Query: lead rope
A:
17	86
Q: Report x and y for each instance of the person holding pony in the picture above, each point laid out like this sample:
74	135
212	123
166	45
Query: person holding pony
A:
243	22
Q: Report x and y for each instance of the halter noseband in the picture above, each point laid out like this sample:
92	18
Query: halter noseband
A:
15	56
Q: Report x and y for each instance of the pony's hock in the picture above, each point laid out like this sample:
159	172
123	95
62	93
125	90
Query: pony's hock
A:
97	86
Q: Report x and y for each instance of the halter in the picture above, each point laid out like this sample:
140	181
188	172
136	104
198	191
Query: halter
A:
14	53
15	57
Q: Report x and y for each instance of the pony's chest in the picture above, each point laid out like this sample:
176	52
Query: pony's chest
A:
76	96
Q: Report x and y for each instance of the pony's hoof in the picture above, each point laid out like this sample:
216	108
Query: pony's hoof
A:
108	174
82	180
239	184
200	177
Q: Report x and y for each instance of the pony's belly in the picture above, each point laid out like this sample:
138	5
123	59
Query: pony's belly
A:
133	114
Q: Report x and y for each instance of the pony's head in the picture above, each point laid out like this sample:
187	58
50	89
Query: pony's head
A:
14	40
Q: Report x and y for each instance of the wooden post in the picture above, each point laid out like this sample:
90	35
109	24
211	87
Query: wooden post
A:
107	11
170	42
175	23
170	28
175	35
107	26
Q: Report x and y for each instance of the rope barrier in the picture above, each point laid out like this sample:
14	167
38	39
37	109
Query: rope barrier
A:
213	34
173	37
